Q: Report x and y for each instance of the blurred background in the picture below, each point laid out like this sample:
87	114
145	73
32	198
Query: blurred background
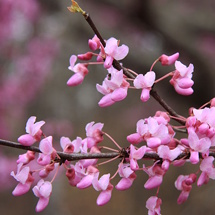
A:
37	39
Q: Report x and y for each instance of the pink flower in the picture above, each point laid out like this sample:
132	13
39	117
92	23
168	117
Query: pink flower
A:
114	89
48	168
80	71
113	51
42	190
136	154
69	146
86	181
72	176
198	144
208	171
184	183
94	43
94	133
103	185
155	174
26	158
145	82
182	79
167	154
168	60
153	205
153	131
33	130
47	151
205	116
128	176
25	179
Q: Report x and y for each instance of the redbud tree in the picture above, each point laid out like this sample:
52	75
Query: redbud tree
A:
155	138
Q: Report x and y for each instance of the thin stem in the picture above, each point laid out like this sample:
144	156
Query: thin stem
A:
108	161
113	141
108	148
154	64
163	77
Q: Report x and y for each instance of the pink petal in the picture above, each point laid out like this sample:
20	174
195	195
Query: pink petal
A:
183	197
185	83
42	204
139	81
85	182
46	145
26	140
104	181
184	92
75	80
124	184
153	142
106	101
121	52
145	94
119	94
21	189
111	46
134	138
46	189
153	182
108	62
29	124
105	196
194	157
72	61
149	78
64	141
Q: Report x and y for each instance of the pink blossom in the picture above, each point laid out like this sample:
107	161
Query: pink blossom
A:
26	157
198	144
182	79
205	116
86	56
168	154
48	168
103	185
136	154
94	133
168	60
69	146
153	205
33	131
42	190
145	82
155	174
25	179
184	183
80	71
114	89
114	51
208	171
73	177
86	181
153	131
94	43
128	177
47	151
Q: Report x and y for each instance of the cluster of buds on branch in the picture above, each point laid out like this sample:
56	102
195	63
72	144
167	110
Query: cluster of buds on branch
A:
155	137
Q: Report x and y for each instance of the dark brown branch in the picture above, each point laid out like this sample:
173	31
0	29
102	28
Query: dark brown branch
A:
78	156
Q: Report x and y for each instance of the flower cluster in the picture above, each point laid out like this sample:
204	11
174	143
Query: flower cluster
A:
116	84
